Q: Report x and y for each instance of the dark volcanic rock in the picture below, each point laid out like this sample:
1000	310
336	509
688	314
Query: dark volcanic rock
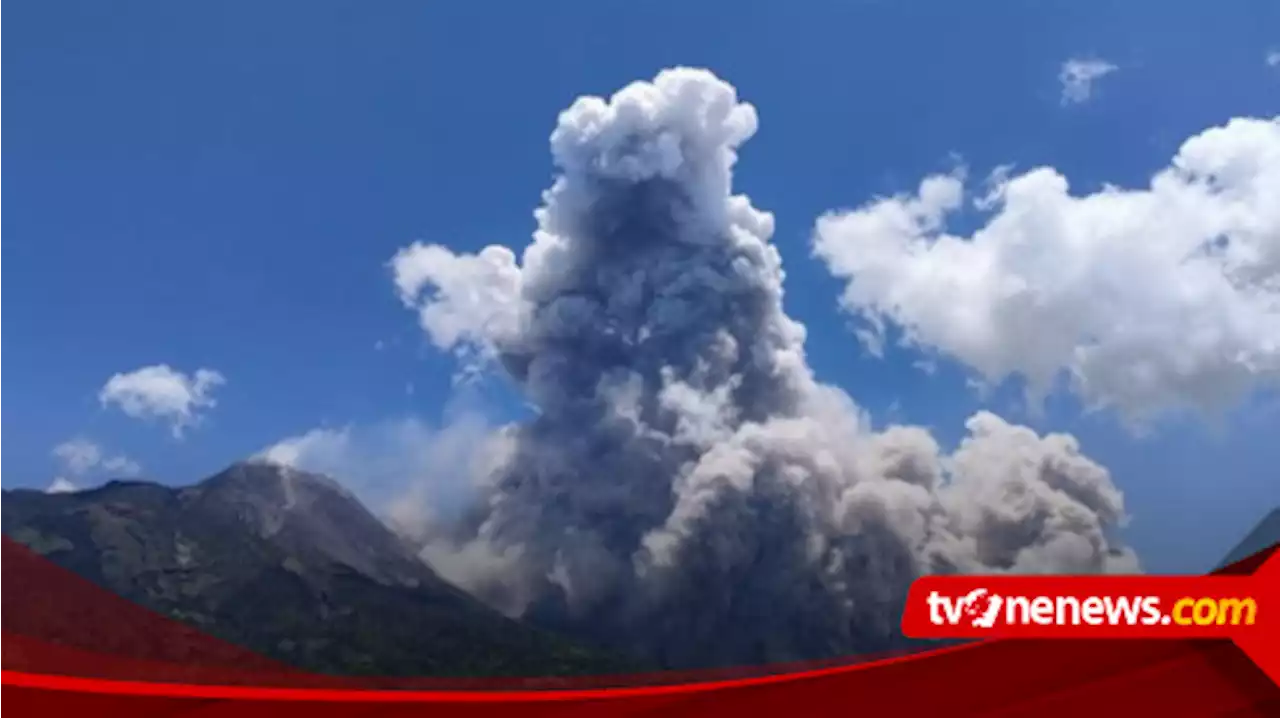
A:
288	564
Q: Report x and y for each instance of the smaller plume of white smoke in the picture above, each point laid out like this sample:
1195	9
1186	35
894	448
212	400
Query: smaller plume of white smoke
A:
409	472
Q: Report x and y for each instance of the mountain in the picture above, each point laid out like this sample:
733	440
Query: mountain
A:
288	564
55	622
1263	536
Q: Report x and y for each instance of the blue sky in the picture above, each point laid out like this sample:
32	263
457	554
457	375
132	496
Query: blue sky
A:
222	185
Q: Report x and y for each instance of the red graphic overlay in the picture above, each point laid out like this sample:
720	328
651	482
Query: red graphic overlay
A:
1245	609
1097	607
55	662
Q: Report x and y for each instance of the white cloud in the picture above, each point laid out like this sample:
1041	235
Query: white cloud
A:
122	466
79	456
1273	58
1077	77
159	392
60	486
1148	299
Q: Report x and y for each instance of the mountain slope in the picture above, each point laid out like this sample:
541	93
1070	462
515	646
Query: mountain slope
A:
57	622
290	565
1265	534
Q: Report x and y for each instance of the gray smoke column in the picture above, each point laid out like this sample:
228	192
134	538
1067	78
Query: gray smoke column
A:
688	490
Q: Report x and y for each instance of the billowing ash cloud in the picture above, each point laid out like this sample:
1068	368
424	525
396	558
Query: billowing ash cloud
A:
688	489
1150	300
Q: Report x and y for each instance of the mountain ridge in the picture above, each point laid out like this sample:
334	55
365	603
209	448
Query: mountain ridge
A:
1262	536
291	565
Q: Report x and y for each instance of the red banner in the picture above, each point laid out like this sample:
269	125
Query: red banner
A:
70	647
1244	609
1093	606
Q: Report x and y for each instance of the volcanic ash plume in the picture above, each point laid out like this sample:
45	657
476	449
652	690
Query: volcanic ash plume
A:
687	489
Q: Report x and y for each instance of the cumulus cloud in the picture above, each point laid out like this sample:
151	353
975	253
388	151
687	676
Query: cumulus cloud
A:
121	465
61	485
1078	76
160	392
688	490
1273	58
1148	300
79	456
